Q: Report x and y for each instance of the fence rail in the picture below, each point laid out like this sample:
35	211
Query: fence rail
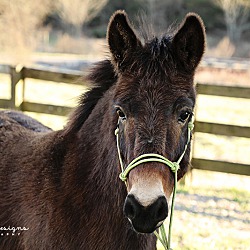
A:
222	90
71	77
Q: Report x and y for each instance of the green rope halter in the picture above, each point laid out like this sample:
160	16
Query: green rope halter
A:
174	166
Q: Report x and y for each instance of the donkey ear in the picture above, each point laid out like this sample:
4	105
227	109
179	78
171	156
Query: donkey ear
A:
121	37
189	42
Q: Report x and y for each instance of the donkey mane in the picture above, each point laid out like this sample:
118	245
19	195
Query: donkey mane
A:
101	77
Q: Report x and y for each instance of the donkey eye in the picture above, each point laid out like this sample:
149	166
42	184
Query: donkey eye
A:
184	116
121	114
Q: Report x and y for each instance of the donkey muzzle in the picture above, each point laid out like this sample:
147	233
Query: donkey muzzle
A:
145	219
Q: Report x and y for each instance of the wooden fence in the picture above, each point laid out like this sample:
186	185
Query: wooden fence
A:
21	73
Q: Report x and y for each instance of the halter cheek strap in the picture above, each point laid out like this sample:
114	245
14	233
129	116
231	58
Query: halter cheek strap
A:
174	166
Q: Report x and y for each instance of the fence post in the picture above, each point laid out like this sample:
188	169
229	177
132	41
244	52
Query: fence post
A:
16	76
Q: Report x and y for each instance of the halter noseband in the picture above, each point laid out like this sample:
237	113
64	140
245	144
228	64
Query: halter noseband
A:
174	166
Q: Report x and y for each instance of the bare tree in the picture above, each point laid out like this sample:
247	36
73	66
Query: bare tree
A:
78	12
19	20
237	14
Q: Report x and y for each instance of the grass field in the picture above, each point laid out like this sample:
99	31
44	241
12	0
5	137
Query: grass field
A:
212	210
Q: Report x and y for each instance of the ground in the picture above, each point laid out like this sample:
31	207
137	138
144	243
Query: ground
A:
212	211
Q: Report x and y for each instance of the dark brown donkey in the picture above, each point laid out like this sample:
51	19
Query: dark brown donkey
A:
63	186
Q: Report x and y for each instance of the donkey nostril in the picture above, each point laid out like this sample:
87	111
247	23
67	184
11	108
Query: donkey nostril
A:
130	211
161	214
161	211
131	207
145	219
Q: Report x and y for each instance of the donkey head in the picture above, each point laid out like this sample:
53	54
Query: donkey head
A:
154	100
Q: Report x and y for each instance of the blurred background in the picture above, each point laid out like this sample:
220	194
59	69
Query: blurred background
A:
65	26
45	46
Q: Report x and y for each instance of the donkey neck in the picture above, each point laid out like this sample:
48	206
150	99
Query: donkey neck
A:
98	146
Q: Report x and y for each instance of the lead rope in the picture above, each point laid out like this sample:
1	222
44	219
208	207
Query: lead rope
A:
174	166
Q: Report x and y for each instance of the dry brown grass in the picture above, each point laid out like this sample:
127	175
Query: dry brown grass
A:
220	46
84	46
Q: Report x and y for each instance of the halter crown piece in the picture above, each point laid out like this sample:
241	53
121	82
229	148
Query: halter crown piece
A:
174	166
